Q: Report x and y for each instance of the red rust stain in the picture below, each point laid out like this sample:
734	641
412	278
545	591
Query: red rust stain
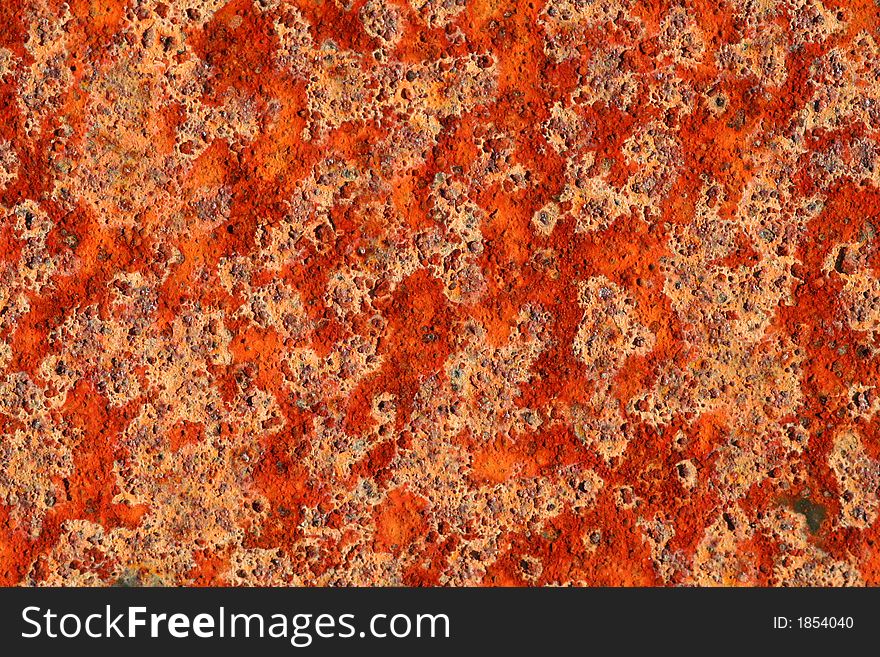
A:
399	521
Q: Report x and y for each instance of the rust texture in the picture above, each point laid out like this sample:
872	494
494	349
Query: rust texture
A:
439	292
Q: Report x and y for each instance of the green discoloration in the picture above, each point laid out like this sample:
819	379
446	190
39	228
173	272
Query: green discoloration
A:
814	513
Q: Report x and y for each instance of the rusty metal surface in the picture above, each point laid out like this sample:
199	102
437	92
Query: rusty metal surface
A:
469	292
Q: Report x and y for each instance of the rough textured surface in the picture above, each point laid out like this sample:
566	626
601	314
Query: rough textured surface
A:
435	292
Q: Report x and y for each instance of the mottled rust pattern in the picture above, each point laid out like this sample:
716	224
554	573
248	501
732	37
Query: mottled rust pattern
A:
439	292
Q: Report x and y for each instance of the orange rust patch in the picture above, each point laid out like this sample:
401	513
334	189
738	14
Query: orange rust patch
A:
400	519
